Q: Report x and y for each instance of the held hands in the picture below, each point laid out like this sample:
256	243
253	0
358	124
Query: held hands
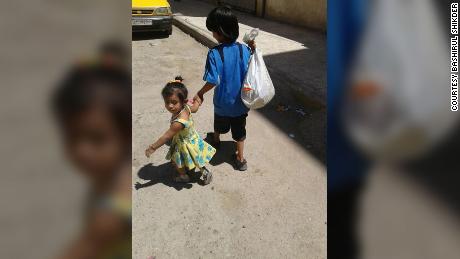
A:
149	151
195	100
198	98
194	105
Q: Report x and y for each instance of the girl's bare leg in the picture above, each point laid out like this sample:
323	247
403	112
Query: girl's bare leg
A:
183	177
181	171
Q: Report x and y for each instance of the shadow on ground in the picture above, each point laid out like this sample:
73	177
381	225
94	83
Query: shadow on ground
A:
224	152
296	109
139	36
164	174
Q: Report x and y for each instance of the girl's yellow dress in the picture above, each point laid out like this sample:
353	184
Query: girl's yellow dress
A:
188	149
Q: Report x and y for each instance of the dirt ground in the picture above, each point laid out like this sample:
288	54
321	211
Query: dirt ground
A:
276	209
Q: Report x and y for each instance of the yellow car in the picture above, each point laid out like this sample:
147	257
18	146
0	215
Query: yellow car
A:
151	15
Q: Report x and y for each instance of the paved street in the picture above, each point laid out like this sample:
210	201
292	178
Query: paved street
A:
277	209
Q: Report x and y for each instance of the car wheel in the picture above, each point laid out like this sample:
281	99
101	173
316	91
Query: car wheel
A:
169	31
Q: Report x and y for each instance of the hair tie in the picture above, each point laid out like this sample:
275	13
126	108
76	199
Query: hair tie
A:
175	81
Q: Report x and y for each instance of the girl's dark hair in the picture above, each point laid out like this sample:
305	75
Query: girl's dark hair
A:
175	87
85	86
222	20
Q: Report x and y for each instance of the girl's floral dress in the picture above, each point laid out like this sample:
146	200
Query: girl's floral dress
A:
188	149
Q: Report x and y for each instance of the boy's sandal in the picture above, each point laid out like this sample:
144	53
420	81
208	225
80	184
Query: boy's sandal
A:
241	166
182	179
207	175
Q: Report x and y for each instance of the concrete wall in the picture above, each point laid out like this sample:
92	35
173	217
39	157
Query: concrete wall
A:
247	5
306	13
242	5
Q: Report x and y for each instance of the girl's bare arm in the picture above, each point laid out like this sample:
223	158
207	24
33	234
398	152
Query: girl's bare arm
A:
168	135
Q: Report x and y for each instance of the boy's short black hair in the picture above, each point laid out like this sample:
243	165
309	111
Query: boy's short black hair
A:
222	20
176	87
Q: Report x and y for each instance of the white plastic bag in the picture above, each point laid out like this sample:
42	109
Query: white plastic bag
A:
258	89
408	115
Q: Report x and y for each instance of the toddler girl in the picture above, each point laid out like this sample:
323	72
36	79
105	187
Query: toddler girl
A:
188	150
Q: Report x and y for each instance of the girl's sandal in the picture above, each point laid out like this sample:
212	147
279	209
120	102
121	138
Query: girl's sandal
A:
182	179
207	175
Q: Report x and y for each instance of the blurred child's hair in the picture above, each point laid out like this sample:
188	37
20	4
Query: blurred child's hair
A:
222	20
177	88
115	49
94	84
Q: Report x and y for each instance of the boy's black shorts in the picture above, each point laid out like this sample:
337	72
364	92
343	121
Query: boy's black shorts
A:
223	124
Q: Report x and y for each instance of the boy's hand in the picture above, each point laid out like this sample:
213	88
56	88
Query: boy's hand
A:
198	98
198	101
252	45
149	151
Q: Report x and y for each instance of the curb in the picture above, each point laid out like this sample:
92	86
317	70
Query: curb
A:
194	31
204	38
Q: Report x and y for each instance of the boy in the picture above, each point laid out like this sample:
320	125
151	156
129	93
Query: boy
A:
226	66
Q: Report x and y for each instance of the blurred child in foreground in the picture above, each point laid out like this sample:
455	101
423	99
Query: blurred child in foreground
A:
92	106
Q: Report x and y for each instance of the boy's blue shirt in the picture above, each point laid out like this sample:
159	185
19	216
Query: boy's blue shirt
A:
227	78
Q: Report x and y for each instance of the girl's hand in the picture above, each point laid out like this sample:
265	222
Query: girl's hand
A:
190	102
195	105
149	151
174	129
